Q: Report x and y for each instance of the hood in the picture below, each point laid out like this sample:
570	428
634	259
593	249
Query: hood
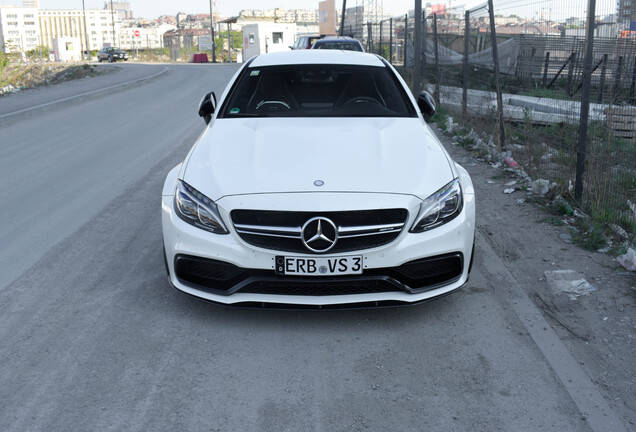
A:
277	155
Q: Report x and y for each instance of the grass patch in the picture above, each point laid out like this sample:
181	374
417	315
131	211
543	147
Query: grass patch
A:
552	220
590	237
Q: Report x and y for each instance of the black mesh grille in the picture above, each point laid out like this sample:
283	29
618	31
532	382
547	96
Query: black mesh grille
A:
319	288
357	218
429	272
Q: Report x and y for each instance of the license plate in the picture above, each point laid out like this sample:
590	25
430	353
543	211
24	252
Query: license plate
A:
319	266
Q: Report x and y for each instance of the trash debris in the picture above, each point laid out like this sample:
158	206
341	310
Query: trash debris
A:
628	260
509	191
521	201
491	182
619	231
540	187
566	237
450	126
511	162
511	183
568	282
8	89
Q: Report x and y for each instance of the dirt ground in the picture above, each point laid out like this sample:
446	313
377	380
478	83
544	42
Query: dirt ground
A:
16	77
599	328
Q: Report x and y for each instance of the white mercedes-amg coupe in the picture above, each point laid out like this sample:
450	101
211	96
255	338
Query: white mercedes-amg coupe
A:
318	184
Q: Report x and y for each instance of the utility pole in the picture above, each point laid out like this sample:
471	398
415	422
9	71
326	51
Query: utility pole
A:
342	20
212	30
112	16
88	47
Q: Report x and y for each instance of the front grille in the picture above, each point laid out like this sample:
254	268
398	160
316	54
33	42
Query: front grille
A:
222	278
282	230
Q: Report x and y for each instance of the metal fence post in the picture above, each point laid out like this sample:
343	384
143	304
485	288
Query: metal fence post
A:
424	38
417	49
545	69
571	74
585	100
633	86
495	58
465	74
617	80
435	46
391	40
406	39
380	40
601	85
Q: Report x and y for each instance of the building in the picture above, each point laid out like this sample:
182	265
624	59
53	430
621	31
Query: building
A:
124	12
184	38
267	37
626	10
31	4
70	22
143	37
19	30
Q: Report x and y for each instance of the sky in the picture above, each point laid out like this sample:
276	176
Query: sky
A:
154	8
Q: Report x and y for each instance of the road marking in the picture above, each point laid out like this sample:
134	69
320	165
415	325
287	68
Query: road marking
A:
592	405
165	69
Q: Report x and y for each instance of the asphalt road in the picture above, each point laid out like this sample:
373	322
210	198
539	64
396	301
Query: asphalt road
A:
94	338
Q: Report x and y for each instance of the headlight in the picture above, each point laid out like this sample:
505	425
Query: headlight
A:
197	209
441	207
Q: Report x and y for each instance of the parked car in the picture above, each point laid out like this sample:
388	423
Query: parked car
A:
318	184
111	54
338	43
305	42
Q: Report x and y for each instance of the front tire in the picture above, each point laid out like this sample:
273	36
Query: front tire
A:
111	59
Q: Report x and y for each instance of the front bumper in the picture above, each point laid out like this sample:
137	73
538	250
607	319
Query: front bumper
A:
411	269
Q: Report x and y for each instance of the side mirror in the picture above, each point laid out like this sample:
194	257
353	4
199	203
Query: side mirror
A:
207	107
426	103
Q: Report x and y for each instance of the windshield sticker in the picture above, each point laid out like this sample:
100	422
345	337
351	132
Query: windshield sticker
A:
235	110
255	73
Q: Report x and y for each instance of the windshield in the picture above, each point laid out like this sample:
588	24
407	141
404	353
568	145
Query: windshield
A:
317	91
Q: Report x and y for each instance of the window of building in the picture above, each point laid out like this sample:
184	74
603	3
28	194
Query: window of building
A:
9	16
29	23
277	37
251	38
12	23
28	16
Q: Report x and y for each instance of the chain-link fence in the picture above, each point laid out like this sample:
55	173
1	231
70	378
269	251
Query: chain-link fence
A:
539	49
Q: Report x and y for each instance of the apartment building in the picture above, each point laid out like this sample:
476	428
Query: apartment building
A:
19	30
70	22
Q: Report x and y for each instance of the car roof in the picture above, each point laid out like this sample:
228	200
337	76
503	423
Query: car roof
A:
300	57
339	38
